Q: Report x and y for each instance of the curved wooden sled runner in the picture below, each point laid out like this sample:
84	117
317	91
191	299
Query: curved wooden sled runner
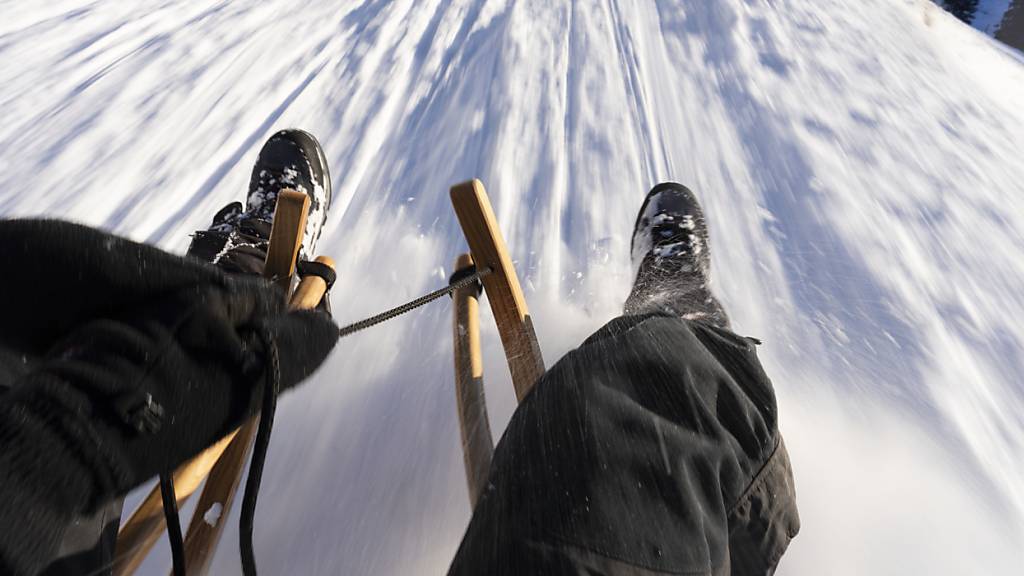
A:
487	247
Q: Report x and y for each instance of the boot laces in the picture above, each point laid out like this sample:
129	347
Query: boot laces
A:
676	238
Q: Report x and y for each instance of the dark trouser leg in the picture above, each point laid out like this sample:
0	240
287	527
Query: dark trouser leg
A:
651	449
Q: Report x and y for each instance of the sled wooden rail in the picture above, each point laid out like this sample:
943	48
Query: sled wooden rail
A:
470	403
479	225
225	460
487	246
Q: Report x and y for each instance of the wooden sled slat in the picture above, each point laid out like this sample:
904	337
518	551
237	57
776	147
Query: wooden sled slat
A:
471	405
473	209
143	529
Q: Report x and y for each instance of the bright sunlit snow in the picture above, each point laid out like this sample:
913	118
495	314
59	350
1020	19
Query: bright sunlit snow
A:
860	163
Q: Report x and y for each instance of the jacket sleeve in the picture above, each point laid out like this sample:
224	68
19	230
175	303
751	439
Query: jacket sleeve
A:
59	275
145	359
115	403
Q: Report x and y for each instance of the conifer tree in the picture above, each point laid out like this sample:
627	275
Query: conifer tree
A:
962	9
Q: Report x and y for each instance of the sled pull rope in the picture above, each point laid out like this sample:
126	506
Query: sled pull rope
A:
457	283
271	389
170	502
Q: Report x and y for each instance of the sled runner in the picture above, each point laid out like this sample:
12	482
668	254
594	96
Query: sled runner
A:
511	315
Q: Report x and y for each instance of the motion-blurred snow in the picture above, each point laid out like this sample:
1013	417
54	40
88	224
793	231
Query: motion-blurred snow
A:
860	163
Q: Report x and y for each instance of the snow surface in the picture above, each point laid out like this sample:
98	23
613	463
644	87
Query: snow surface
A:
860	164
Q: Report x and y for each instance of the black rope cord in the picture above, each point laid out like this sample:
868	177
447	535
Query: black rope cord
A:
170	501
272	387
398	311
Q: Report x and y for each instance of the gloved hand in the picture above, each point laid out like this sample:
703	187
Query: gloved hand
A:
167	379
155	359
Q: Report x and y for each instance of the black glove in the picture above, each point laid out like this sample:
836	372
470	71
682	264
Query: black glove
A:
145	380
167	379
60	275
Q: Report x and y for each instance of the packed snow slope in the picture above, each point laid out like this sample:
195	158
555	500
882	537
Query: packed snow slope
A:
860	164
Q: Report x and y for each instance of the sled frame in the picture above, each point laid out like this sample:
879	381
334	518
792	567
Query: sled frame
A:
222	464
515	328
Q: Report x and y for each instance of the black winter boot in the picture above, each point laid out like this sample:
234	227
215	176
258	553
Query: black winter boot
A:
238	238
671	258
291	159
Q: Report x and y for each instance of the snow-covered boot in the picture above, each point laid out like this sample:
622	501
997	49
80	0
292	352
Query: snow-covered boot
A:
291	159
238	238
671	258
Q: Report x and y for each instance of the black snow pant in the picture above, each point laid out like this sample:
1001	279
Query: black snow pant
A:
651	449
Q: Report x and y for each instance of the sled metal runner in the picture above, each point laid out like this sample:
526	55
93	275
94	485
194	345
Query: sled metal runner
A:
222	463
